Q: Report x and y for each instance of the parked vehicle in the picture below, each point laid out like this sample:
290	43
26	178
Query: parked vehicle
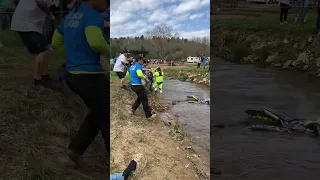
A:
193	59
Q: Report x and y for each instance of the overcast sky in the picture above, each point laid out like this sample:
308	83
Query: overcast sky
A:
190	18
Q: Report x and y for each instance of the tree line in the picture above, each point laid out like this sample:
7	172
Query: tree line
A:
162	43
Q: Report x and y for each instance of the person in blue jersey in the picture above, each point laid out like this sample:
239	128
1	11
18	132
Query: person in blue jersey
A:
80	35
204	61
137	77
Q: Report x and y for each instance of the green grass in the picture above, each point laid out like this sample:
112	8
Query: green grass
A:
186	69
10	39
36	125
183	73
238	38
267	25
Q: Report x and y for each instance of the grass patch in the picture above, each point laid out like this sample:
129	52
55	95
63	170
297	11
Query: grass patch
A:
10	39
190	73
186	69
37	125
267	25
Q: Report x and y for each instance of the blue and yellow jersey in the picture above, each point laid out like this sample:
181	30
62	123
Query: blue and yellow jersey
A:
80	34
135	74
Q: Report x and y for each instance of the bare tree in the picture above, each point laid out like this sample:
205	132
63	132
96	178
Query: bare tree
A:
160	36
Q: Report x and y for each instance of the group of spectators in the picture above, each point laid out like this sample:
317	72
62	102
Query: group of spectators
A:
300	8
202	61
139	75
83	35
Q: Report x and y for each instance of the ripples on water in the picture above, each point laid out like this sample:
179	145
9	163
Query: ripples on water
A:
195	118
250	155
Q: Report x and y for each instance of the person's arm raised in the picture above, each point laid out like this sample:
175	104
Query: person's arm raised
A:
140	74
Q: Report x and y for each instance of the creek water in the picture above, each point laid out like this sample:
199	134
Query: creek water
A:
194	118
249	155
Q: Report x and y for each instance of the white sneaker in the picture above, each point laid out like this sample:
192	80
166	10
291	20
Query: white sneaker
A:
153	116
285	22
132	112
281	23
160	91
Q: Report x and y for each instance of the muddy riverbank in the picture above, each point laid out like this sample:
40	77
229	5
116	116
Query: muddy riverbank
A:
262	41
162	151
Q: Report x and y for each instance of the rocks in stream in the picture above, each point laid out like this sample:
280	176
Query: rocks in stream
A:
287	64
318	73
272	58
277	65
318	62
302	58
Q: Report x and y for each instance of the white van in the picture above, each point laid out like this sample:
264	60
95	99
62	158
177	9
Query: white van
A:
193	59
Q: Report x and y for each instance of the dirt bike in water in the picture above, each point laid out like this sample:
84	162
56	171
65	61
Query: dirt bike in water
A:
194	99
271	120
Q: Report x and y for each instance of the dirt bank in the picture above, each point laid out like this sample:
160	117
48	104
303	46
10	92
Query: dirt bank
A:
36	125
189	74
262	40
162	151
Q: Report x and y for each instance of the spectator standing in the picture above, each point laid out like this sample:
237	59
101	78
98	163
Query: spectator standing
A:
284	8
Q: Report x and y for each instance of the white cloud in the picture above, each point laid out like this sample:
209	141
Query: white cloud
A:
196	16
159	16
188	5
192	34
136	17
119	17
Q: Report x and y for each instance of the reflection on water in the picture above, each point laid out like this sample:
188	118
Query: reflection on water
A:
243	154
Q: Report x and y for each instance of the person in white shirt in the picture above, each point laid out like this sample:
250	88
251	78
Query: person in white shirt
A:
29	21
120	67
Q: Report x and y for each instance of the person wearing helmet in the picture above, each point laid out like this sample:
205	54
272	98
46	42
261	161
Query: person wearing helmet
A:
158	74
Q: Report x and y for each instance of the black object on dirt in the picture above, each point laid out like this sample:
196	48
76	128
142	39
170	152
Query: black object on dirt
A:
130	169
